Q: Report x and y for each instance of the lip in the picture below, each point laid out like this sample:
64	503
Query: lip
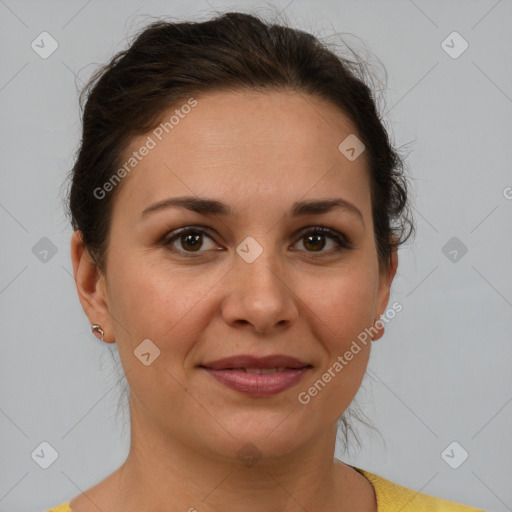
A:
231	372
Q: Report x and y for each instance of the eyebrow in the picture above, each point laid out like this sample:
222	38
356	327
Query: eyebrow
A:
213	207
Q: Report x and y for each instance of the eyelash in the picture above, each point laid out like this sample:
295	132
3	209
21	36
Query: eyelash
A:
342	243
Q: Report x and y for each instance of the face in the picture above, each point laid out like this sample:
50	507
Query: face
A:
258	280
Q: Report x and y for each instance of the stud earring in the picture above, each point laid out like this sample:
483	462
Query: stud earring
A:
95	328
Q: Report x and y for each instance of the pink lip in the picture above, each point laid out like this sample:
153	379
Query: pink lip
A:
231	372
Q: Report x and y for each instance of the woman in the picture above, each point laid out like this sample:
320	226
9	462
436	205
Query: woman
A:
237	209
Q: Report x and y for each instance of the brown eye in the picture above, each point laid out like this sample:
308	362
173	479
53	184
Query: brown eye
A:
314	240
190	239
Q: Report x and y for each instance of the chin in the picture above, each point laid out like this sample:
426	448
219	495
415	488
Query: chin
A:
261	433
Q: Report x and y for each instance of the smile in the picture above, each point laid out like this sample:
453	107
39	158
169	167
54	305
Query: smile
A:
257	377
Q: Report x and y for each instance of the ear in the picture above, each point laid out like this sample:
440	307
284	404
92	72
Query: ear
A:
385	279
91	287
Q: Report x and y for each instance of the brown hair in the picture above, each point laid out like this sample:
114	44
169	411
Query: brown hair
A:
169	62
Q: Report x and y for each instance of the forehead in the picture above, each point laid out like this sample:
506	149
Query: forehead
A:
248	118
247	142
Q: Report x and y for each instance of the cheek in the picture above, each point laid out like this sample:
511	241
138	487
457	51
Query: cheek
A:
163	305
342	307
160	302
340	315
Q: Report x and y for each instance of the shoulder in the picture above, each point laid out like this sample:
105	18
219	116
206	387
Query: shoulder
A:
392	497
389	497
61	508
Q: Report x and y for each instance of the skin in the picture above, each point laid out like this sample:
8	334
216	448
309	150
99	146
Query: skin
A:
259	153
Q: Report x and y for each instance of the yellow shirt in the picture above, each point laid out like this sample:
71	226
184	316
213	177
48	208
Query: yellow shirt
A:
390	498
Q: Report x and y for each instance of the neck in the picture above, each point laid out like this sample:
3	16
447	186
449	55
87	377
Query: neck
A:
162	474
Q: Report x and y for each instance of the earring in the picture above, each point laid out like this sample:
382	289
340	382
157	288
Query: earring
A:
95	328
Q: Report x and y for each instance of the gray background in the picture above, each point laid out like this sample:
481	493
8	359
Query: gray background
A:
442	371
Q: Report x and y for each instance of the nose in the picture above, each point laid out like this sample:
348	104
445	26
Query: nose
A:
259	296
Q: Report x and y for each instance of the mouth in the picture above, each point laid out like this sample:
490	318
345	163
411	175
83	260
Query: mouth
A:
257	377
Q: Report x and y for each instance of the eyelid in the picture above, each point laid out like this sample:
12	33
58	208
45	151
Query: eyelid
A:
341	240
169	238
325	230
